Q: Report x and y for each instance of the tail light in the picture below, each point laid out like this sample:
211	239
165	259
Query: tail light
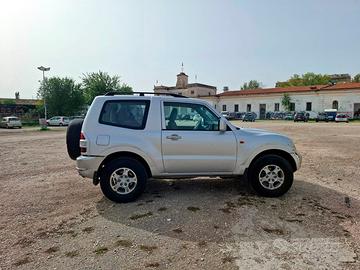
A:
83	143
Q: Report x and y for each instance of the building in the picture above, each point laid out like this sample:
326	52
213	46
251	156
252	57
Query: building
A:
16	106
345	97
183	87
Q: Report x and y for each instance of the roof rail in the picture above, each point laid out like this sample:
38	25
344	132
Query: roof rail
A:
144	93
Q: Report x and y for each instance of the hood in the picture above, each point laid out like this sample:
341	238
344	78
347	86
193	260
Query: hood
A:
265	136
256	131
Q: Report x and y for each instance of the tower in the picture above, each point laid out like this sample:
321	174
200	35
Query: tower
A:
182	79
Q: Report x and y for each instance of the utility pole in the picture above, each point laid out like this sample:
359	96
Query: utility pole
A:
43	69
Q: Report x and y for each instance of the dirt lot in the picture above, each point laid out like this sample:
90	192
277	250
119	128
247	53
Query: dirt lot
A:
53	219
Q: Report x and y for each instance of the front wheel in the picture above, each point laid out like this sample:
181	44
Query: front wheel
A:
123	180
271	176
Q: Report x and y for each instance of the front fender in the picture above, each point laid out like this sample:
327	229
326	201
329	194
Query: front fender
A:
246	156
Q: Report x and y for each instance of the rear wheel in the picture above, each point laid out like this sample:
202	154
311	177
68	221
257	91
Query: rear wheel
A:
271	176
123	180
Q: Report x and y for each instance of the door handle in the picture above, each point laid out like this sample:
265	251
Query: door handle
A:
173	137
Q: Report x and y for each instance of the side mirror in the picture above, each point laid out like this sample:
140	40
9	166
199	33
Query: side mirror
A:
222	125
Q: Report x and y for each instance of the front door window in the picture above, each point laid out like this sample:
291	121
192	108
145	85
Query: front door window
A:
183	116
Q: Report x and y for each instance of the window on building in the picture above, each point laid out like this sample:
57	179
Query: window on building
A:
248	107
292	106
277	107
236	107
192	92
308	106
224	107
335	105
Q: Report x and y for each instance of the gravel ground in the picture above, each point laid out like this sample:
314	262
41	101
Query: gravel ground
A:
51	218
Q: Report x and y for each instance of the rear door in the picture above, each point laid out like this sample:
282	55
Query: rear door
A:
192	142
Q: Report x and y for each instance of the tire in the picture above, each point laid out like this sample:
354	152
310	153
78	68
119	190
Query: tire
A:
73	138
118	167
270	162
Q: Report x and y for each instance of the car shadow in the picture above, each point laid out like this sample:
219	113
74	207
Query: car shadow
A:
221	210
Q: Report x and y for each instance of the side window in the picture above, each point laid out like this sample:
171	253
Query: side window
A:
187	116
125	113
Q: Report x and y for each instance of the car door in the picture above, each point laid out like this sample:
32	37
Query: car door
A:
55	121
192	142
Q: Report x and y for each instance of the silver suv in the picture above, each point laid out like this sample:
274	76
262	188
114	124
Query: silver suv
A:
125	140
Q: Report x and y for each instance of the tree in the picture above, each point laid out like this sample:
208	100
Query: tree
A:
62	95
286	101
252	84
99	83
356	78
306	79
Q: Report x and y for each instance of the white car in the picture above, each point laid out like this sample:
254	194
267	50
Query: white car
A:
340	117
11	122
125	140
58	121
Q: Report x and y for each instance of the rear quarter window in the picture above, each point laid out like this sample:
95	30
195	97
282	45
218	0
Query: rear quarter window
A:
125	113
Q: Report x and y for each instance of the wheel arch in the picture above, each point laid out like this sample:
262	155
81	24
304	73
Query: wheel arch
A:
277	152
124	154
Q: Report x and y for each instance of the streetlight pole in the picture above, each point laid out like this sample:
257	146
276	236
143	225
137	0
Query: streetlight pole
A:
43	69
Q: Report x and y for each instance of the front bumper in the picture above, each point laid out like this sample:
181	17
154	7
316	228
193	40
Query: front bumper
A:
88	165
297	158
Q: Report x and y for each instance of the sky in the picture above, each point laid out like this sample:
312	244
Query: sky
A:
222	42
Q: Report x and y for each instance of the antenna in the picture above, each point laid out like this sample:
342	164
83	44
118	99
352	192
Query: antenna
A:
196	78
182	66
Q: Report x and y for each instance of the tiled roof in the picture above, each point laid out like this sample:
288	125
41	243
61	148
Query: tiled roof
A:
292	89
189	85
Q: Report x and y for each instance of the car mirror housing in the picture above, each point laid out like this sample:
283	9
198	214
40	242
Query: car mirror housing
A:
222	125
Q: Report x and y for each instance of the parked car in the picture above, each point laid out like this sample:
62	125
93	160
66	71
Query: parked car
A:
331	114
76	117
322	117
249	117
121	149
239	115
226	114
232	116
277	116
340	117
11	122
58	121
289	116
301	116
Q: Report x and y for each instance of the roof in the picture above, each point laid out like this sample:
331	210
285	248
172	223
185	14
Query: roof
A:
189	85
182	73
200	85
20	101
292	89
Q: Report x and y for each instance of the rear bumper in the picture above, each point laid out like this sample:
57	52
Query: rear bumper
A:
87	165
297	158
